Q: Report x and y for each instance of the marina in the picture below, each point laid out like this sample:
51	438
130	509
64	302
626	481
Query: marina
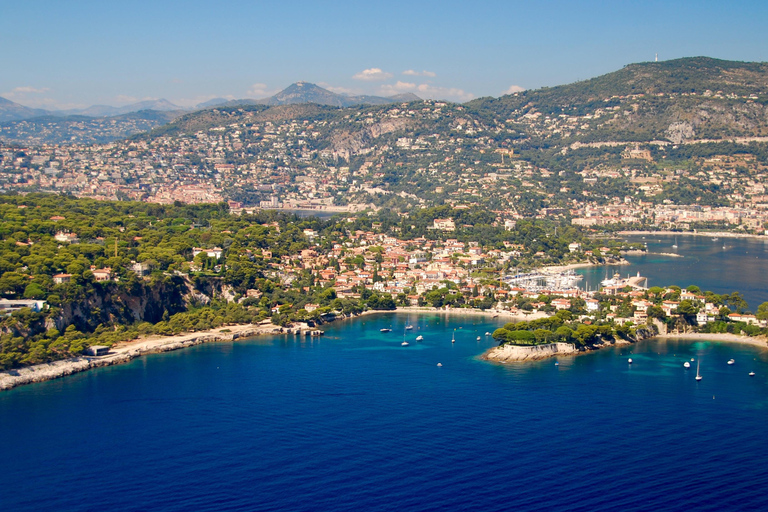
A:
542	279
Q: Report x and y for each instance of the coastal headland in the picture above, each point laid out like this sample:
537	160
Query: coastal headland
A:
126	351
520	353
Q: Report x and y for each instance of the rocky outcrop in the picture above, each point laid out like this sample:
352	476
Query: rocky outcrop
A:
680	131
511	353
353	142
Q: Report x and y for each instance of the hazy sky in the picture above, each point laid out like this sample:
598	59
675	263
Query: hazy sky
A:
62	54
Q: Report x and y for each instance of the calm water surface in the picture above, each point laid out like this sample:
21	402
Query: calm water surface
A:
722	266
354	421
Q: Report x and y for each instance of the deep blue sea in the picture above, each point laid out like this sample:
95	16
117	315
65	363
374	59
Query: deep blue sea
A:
355	422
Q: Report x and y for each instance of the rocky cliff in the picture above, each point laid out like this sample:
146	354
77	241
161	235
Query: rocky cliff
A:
510	353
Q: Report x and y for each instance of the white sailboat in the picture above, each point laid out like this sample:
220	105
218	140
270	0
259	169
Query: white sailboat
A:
453	338
404	343
675	244
698	375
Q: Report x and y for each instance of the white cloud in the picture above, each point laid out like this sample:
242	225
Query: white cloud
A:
372	75
23	91
260	90
339	90
513	89
427	91
397	88
27	89
411	72
30	97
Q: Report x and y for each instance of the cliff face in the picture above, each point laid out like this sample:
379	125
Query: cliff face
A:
510	353
123	304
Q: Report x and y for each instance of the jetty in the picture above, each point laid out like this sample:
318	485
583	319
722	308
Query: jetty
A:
617	283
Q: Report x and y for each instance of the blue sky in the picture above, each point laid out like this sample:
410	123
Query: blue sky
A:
58	54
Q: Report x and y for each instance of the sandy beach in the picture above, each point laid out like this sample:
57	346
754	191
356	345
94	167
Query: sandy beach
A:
758	341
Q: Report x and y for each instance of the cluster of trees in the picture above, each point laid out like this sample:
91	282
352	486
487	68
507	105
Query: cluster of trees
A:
561	327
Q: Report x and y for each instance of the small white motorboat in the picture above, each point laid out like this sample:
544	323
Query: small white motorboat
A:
751	374
439	364
731	361
408	327
687	364
419	338
385	330
557	364
487	333
405	344
478	338
629	360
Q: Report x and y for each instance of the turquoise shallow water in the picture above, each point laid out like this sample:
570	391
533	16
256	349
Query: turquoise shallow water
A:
354	421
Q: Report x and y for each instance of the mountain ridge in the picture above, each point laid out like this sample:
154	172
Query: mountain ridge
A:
677	100
299	92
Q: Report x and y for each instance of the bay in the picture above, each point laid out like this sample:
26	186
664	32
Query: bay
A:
355	421
722	266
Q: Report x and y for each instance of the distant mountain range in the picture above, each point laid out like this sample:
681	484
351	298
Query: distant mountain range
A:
305	92
160	105
696	98
300	92
10	111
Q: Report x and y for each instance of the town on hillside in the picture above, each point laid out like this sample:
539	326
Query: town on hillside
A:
387	157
